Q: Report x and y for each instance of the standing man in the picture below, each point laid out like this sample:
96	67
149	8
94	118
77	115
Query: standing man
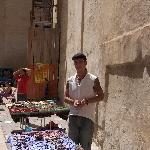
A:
83	90
22	77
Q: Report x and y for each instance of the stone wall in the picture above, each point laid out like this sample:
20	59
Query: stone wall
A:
115	36
14	24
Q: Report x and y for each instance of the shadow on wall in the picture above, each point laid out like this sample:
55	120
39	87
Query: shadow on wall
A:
133	70
130	69
63	16
63	20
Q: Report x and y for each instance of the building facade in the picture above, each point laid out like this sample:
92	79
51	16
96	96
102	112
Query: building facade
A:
115	37
14	24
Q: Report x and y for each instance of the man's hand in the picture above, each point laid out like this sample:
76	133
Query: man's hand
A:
80	103
84	102
77	103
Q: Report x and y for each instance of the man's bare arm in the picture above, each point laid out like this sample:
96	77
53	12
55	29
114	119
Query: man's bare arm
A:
67	98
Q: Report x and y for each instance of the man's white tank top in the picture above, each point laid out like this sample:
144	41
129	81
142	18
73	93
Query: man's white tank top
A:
84	90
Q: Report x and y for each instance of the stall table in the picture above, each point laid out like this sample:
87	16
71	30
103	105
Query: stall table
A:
22	115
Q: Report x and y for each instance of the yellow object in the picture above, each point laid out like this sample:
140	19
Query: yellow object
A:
41	73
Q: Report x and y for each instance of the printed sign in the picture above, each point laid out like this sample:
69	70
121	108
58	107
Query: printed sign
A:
41	73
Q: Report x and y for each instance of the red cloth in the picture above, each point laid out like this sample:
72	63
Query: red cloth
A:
22	81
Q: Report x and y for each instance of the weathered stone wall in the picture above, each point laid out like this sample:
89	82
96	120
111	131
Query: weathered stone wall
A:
115	36
14	24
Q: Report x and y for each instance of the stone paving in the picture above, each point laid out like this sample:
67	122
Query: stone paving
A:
7	125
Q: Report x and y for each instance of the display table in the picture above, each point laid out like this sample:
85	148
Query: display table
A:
41	140
21	111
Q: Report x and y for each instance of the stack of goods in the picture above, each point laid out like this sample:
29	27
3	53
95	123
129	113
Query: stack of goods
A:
45	140
59	108
22	108
41	106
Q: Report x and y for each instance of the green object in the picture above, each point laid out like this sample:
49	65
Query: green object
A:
28	129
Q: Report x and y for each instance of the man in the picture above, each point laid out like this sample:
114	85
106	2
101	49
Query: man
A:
22	77
83	90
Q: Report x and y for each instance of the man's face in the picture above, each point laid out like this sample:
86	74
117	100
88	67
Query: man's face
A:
80	64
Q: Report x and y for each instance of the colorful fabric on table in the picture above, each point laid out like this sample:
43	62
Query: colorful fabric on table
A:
45	140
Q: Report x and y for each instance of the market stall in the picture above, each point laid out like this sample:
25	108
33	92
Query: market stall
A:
41	140
49	137
21	110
